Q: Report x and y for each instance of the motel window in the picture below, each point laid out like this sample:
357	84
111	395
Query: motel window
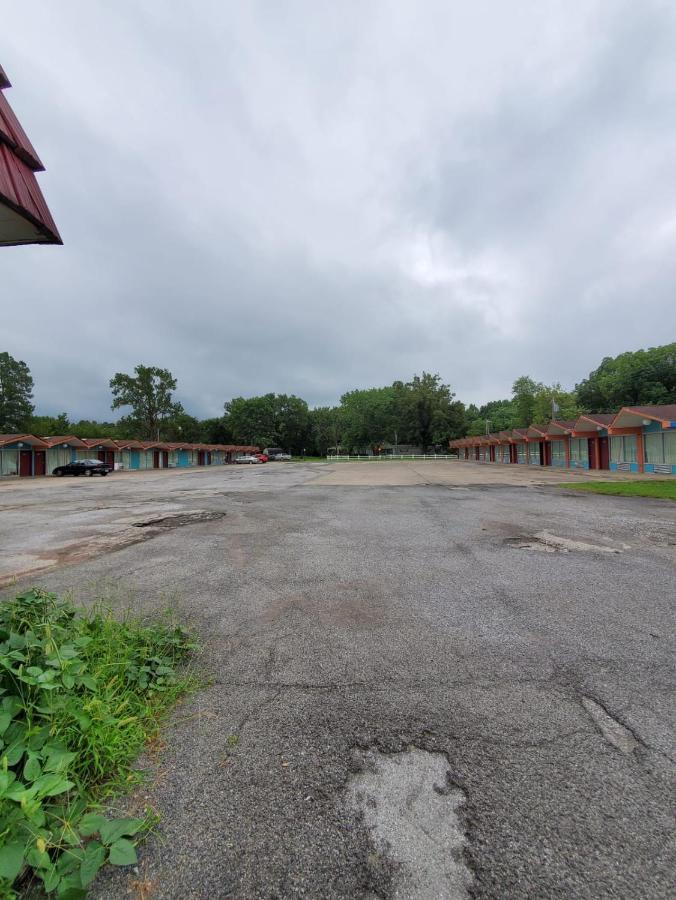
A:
660	447
623	449
9	462
578	449
654	447
670	447
521	452
616	449
534	453
558	451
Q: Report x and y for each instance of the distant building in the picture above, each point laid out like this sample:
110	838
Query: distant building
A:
24	216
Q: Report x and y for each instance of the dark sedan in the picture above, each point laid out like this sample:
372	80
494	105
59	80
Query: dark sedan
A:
84	467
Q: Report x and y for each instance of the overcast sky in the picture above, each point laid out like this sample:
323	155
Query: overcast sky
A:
308	197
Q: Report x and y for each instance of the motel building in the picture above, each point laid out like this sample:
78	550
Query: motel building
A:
636	439
27	455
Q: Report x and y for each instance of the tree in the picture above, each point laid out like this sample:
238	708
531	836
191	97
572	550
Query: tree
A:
369	417
216	431
548	399
269	421
184	427
16	394
524	390
90	428
639	378
325	428
427	410
501	415
49	426
148	392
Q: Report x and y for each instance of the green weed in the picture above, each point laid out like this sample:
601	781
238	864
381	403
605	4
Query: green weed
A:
80	694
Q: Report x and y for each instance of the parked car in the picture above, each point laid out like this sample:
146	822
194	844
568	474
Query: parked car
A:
271	452
247	459
262	457
280	457
83	467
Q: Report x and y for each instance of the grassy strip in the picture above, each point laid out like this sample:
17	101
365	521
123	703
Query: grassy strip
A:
663	490
80	694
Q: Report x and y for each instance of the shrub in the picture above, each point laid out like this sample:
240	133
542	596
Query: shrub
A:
80	693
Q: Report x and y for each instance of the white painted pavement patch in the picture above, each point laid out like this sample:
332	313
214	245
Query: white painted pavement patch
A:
412	814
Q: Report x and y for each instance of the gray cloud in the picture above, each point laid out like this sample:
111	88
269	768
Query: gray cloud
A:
310	197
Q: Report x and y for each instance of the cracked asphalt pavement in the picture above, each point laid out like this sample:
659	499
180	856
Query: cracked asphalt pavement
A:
416	611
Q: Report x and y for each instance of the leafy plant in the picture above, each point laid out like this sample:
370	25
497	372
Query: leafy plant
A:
80	693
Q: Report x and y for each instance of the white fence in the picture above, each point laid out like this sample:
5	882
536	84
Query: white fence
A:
391	457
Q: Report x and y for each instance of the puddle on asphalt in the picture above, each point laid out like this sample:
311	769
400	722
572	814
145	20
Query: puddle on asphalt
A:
411	810
552	543
176	520
613	731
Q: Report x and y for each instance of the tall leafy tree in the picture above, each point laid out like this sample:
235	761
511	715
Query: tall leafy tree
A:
16	394
638	378
271	420
524	390
428	411
370	417
326	428
553	402
149	394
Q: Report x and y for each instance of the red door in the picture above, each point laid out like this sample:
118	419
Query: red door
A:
591	450
200	457
547	452
101	456
25	463
604	453
165	459
40	462
156	459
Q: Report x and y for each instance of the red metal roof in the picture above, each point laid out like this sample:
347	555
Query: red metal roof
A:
32	439
24	216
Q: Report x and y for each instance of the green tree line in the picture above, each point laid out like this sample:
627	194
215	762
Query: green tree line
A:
423	411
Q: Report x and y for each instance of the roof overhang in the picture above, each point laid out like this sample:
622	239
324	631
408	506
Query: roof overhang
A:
591	425
560	428
100	444
629	417
68	440
30	440
24	215
538	431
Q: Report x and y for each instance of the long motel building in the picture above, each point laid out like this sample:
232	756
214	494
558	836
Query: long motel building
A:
24	455
636	439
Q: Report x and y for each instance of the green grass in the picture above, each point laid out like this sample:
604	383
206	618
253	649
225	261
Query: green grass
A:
80	695
662	490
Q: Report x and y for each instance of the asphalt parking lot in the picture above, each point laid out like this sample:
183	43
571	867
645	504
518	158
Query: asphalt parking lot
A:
436	680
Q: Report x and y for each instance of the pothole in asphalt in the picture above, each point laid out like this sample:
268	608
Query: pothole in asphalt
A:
552	543
410	807
613	731
176	520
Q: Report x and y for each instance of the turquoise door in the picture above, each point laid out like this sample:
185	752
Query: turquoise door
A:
134	459
183	459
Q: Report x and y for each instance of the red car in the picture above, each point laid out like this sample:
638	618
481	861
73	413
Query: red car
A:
261	456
